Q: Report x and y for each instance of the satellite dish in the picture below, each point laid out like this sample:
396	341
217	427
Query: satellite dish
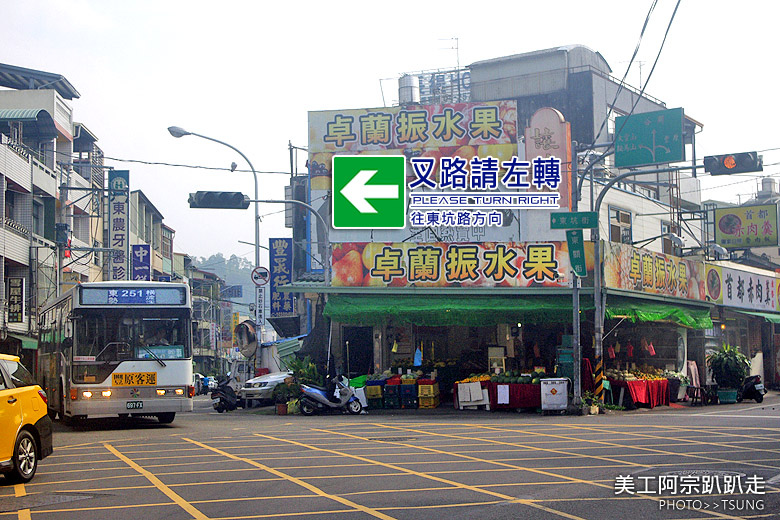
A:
246	338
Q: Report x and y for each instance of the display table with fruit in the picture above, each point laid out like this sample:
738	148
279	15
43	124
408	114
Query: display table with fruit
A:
644	387
523	391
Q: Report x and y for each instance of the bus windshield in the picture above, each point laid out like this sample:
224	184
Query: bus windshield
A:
113	335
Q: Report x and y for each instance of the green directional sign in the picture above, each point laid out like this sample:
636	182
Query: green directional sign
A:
573	220
576	252
649	138
369	192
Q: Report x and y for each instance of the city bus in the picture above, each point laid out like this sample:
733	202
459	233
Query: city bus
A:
118	348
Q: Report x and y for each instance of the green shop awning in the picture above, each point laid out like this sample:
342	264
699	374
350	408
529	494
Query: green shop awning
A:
28	343
768	316
653	311
444	310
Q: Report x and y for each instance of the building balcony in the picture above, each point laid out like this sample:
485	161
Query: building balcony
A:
43	178
157	262
16	241
15	161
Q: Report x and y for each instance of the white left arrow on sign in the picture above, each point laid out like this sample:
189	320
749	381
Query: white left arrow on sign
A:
357	191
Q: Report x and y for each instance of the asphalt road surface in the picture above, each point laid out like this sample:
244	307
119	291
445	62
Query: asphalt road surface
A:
694	463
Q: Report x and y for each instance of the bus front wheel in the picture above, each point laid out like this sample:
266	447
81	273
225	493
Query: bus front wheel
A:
166	418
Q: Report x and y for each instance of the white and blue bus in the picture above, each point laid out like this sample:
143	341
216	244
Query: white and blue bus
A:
118	348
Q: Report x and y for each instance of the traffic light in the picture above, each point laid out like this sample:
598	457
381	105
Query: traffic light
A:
727	164
219	200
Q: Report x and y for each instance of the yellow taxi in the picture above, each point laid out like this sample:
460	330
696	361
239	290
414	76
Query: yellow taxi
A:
25	427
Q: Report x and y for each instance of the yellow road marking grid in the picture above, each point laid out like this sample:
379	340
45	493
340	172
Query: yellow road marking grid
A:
356	469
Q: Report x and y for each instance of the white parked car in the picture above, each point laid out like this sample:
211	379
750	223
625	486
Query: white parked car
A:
260	388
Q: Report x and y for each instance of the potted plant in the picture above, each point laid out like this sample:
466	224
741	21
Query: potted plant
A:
591	402
281	394
729	368
678	385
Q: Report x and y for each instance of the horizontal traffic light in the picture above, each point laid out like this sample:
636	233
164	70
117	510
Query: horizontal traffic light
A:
727	164
219	200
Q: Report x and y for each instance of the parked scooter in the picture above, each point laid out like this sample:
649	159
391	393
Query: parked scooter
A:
224	397
317	399
751	388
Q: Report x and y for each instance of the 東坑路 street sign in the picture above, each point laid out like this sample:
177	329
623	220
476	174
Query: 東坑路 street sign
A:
576	252
573	220
369	192
649	138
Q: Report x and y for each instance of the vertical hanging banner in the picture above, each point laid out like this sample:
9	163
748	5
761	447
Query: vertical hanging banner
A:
118	211
234	323
142	262
281	267
16	299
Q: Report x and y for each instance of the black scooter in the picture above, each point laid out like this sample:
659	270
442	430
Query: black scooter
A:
224	397
751	388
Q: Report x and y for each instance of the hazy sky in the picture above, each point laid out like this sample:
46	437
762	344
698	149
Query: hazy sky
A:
248	72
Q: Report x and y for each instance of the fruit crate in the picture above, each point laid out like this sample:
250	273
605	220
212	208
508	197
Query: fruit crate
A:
408	381
373	392
375	382
408	390
376	403
428	390
430	402
392	390
409	402
392	402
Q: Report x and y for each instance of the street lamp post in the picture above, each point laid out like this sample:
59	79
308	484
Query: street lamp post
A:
177	132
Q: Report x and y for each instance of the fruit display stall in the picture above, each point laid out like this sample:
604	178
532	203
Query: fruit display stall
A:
508	390
646	385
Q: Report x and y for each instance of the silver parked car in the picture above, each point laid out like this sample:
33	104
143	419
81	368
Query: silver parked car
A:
260	388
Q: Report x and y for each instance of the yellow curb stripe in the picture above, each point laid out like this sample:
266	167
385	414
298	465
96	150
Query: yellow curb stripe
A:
302	483
197	515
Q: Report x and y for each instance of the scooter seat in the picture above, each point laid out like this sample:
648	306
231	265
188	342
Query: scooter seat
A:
322	388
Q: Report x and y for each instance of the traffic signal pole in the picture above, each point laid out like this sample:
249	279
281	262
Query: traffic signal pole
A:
327	260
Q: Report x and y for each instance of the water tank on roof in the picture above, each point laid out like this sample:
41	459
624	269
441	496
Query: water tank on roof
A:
768	186
408	89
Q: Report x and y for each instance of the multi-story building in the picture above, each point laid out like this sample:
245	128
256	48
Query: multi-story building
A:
450	290
49	166
52	204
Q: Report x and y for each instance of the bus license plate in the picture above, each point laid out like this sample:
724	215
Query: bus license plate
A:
135	405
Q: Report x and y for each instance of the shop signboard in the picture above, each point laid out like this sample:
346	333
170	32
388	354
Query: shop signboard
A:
440	264
549	135
742	289
119	224
141	262
636	269
16	299
281	256
424	132
746	226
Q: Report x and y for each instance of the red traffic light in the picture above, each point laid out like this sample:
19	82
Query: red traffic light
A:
727	164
